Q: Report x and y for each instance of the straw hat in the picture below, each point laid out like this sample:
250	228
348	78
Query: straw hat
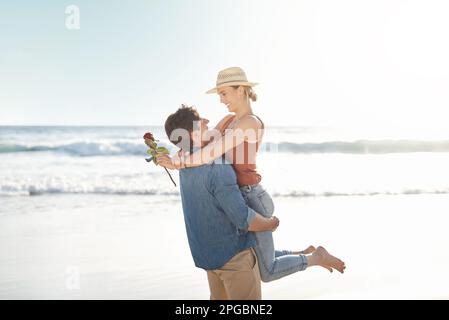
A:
233	76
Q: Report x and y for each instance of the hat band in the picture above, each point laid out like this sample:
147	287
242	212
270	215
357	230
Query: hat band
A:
219	84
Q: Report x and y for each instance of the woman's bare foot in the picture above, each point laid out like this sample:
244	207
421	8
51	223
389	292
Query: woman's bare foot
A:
310	249
320	257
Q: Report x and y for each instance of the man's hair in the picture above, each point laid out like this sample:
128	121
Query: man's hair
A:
184	118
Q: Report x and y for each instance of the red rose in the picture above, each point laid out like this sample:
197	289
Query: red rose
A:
148	136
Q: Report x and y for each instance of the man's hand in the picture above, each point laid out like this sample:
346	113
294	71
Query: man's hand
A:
177	162
165	161
178	159
260	223
275	222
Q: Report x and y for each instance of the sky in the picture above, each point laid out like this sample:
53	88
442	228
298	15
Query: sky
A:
318	63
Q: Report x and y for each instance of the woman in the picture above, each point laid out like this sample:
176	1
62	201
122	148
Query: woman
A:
240	137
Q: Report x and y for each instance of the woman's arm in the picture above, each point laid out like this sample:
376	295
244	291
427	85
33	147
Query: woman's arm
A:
245	129
177	161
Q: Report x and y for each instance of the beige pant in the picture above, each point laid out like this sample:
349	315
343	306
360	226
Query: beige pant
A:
238	279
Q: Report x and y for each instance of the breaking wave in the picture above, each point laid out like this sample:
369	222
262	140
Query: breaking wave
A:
138	148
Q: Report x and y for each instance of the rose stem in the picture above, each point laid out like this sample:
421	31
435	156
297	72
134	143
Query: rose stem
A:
170	176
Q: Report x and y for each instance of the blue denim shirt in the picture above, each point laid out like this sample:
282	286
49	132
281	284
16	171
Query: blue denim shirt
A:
215	214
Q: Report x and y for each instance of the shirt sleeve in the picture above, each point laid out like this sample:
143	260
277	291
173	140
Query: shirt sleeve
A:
224	188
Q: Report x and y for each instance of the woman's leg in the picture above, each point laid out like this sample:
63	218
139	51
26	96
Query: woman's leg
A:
279	253
273	264
271	267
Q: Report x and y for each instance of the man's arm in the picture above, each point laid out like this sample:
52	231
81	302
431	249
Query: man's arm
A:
223	186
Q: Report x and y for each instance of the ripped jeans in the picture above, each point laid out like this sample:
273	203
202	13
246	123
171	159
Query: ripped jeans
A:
273	264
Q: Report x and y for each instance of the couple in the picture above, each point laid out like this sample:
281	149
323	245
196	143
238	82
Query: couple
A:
228	215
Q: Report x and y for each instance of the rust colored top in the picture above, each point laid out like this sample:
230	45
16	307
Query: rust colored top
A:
243	159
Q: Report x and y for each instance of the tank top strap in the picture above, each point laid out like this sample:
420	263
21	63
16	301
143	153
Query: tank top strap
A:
226	124
263	130
263	125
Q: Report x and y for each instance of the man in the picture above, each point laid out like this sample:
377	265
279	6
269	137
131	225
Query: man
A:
217	219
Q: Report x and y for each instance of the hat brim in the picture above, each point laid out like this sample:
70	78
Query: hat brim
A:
234	83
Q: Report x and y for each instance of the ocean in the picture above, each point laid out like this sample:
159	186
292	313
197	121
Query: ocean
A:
294	162
83	215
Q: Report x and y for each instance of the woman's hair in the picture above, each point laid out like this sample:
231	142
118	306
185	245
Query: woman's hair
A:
249	92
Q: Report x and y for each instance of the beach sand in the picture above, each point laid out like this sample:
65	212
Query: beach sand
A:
135	247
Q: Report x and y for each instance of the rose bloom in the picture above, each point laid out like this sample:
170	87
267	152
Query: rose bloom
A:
148	136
